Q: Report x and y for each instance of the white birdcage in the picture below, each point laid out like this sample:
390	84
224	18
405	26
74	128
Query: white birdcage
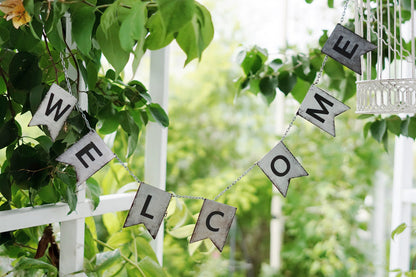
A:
388	82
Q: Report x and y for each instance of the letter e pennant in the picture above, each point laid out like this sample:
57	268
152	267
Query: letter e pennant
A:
214	222
280	166
320	109
54	110
347	47
87	156
149	207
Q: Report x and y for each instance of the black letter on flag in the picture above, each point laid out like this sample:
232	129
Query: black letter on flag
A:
86	150
146	205
208	221
314	112
56	106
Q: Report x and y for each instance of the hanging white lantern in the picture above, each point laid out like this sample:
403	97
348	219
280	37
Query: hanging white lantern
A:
388	82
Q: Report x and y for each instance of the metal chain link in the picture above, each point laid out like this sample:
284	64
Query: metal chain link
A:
235	181
319	75
68	84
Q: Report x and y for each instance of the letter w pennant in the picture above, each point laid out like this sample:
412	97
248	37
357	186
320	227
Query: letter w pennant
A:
320	109
54	110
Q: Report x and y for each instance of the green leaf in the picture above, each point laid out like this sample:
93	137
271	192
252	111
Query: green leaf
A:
117	239
350	87
145	249
29	263
334	69
157	38
71	198
83	19
411	132
300	90
151	268
196	35
48	194
377	129
9	132
182	232
105	260
364	116
109	125
35	97
252	62
109	40
287	81
331	3
24	71
404	128
56	37
90	249
129	125
176	13
267	87
5	186
276	64
132	28
394	123
93	191
159	114
398	230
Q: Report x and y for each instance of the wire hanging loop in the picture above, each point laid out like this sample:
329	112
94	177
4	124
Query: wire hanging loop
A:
68	84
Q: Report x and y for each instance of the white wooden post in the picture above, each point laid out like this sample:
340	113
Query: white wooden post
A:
379	226
72	232
277	223
401	204
156	135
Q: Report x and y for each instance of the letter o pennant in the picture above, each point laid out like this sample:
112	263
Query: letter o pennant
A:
280	166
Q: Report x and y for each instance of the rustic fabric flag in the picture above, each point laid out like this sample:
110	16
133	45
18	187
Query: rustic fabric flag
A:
347	47
54	110
214	222
320	108
149	207
87	156
280	166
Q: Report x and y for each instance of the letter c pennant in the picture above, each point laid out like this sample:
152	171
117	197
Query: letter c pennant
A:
214	222
149	207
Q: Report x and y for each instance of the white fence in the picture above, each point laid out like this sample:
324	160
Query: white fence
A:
72	226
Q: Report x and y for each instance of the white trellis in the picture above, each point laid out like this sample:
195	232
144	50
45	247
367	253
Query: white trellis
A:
72	225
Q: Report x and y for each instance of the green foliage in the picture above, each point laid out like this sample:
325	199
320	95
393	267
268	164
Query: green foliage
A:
38	54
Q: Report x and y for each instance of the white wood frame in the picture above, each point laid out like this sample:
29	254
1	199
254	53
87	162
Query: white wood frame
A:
72	225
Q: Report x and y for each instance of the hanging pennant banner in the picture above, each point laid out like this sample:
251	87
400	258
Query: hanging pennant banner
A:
87	156
320	108
347	47
54	110
280	166
214	222
149	207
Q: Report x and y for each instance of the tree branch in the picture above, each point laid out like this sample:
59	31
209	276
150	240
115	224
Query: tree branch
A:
8	87
50	56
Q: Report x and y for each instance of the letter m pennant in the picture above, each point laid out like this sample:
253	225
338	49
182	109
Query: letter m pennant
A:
320	109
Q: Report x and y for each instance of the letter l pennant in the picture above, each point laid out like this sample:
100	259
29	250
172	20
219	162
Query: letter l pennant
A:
149	207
